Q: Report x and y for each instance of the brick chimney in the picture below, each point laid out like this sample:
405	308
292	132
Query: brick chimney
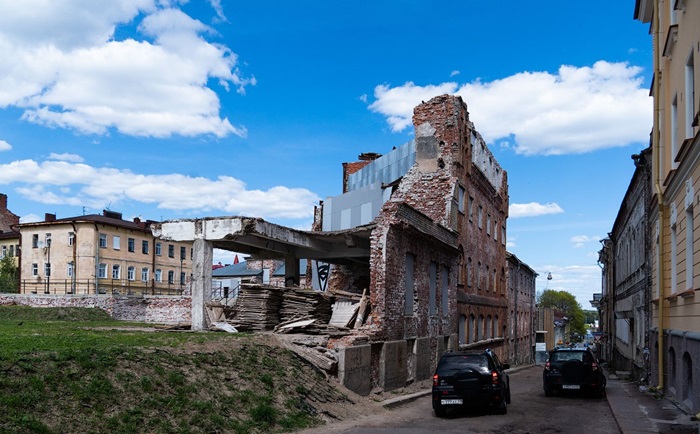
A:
48	217
3	201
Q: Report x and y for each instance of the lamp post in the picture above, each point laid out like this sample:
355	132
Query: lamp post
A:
48	266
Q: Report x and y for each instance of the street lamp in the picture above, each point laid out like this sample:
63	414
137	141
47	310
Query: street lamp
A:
549	277
48	266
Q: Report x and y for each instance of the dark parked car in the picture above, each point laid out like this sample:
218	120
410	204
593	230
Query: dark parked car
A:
470	378
573	369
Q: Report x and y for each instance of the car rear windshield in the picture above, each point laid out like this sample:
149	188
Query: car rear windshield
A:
564	356
452	364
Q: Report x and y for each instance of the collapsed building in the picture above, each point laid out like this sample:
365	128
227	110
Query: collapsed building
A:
420	231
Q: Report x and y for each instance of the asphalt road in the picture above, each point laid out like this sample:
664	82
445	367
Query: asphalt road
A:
529	412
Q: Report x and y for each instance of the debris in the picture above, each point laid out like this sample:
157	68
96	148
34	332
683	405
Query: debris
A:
223	326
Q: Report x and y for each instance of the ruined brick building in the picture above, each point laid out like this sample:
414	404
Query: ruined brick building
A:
9	237
422	229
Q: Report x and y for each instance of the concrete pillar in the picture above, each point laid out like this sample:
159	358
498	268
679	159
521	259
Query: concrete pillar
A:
291	270
201	282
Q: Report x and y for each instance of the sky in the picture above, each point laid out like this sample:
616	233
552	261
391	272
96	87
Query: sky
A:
166	109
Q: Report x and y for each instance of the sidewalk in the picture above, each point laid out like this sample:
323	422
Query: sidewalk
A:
637	411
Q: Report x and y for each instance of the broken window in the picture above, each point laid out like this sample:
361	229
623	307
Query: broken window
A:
408	285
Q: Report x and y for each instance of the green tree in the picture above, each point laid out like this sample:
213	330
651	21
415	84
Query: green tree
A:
591	316
8	275
566	303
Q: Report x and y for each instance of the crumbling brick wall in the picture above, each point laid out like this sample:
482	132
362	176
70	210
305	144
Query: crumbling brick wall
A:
7	217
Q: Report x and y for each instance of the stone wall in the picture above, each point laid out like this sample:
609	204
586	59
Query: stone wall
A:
149	309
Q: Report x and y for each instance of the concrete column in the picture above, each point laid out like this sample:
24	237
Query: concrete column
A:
291	270
201	282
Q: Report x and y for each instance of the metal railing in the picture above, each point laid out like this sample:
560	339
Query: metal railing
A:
98	286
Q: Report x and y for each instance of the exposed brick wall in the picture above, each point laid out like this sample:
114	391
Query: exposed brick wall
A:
7	217
149	309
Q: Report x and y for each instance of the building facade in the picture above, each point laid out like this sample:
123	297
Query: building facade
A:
675	143
100	254
521	311
9	237
626	256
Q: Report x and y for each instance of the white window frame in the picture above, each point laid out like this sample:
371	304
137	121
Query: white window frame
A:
35	269
116	242
116	271
102	271
131	273
71	238
144	274
158	275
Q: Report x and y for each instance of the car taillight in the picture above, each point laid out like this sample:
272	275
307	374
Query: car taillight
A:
594	366
547	366
494	377
436	379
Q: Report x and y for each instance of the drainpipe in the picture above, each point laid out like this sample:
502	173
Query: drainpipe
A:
657	186
75	257
97	258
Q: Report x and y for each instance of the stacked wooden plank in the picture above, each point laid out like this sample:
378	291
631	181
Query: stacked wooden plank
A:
257	308
305	303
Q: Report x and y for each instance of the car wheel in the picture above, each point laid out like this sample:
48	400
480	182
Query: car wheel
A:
440	411
502	407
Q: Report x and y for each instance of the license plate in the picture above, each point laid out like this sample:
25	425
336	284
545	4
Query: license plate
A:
451	402
571	386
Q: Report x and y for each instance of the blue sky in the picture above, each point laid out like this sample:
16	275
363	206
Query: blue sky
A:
173	109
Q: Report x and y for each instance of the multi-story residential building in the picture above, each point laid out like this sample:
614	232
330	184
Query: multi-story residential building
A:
627	267
675	143
100	254
521	311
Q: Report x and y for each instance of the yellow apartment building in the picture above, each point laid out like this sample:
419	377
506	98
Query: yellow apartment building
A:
675	333
100	254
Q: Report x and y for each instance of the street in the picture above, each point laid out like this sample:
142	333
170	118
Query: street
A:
529	412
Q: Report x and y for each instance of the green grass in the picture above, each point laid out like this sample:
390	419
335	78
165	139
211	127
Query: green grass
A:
76	370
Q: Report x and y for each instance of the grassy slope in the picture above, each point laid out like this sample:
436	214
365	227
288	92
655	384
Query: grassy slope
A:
75	370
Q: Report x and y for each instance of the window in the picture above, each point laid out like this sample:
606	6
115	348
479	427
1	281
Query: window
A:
131	273
488	224
35	269
69	270
689	94
116	242
183	253
14	249
471	208
103	241
469	271
47	240
480	217
102	271
47	269
171	251
171	277
144	274
432	289
460	199
462	331
159	275
71	238
131	245
144	247
159	249
4	252
674	250
408	284
503	235
495	229
116	271
182	278
674	130
35	241
445	290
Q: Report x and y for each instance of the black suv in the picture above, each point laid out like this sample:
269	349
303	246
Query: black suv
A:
573	369
470	378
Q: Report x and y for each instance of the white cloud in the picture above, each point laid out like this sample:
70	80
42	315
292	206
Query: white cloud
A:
576	110
30	218
68	71
582	281
74	158
4	146
580	241
77	184
453	73
533	209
